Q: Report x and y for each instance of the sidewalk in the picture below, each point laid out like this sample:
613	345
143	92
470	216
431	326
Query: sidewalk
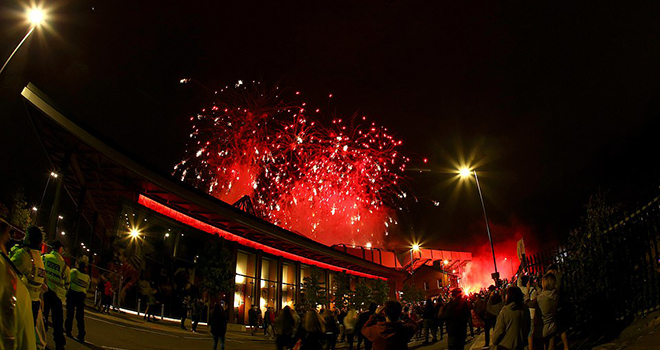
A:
642	334
258	340
138	322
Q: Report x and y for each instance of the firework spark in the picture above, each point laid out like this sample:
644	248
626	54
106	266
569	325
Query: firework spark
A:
335	184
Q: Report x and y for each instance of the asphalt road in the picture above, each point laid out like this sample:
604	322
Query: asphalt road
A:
119	332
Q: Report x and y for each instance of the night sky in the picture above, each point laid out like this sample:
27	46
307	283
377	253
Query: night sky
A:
554	100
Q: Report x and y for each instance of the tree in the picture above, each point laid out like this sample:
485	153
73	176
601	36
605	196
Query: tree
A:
344	293
315	291
594	254
380	291
215	266
413	294
19	213
362	296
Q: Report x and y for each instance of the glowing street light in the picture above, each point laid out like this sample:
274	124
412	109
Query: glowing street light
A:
415	248
135	233
465	173
52	175
36	17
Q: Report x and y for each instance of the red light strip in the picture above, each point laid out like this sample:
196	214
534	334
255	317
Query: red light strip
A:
202	226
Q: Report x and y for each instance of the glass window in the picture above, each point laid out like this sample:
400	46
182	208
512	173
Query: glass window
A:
288	285
268	286
288	274
305	271
426	286
245	288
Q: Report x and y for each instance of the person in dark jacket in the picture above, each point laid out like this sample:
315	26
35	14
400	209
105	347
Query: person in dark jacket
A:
429	317
331	329
493	306
364	317
253	318
391	334
197	309
218	323
456	314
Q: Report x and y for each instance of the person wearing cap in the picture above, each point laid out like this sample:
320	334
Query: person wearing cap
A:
456	315
75	299
57	279
27	258
16	321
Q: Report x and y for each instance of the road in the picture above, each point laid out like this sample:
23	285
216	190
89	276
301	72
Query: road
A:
119	332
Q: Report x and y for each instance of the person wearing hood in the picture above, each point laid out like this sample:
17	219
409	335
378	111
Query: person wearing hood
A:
391	334
513	322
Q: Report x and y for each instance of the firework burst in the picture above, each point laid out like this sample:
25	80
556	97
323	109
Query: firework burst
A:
335	184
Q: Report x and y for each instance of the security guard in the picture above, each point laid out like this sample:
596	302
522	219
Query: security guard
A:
57	279
16	323
27	259
75	299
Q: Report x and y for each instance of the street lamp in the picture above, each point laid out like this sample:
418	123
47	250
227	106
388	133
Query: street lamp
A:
52	175
57	223
465	173
415	247
36	17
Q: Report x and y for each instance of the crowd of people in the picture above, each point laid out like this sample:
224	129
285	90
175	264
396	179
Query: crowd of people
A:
527	313
35	287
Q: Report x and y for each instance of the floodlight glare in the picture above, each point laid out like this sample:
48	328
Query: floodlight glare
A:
36	16
464	172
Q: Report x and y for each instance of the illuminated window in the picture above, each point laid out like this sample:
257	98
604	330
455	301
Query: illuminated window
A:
288	285
268	286
426	286
245	288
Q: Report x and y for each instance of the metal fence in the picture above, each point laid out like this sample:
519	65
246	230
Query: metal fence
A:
613	277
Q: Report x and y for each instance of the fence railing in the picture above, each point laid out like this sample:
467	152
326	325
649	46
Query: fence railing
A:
613	277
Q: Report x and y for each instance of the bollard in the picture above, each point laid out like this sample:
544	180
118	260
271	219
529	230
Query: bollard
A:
162	311
138	307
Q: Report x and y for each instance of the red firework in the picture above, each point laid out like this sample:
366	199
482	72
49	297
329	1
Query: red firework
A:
336	184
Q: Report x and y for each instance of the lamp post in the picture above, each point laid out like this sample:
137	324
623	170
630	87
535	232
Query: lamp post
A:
464	173
36	18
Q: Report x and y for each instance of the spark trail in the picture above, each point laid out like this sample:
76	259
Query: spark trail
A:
336	184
